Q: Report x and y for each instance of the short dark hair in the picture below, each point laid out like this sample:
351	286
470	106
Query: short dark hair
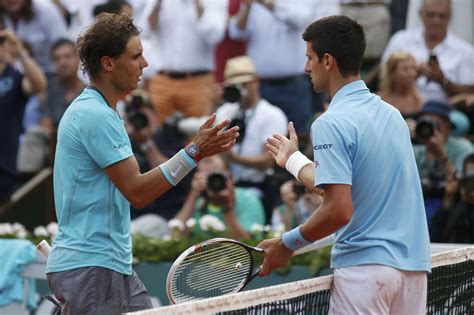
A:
342	38
61	42
108	36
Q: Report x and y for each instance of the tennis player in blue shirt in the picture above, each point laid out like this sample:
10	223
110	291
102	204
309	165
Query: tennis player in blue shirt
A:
364	162
96	177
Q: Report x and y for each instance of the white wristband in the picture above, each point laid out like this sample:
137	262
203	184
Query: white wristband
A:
177	167
296	162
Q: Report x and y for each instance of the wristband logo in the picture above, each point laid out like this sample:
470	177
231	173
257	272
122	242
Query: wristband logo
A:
322	146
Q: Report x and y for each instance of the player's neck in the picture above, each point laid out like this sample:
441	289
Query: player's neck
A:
108	91
339	82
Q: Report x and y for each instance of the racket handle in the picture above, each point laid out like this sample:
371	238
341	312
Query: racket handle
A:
325	241
44	248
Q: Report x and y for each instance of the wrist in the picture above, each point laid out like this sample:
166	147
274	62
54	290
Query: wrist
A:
296	162
192	150
294	240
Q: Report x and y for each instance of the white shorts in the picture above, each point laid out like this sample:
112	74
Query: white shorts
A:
378	289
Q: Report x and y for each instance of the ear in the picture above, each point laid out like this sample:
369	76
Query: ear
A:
329	62
106	63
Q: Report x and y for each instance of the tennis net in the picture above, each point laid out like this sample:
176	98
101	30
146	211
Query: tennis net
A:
450	291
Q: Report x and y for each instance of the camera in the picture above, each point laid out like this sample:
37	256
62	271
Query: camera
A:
170	129
216	182
433	184
135	102
234	93
425	128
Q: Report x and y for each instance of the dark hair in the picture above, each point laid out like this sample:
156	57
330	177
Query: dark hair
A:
342	38
61	42
113	6
108	36
26	11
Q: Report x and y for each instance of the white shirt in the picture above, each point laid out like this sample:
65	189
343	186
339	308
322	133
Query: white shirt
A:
41	32
184	42
455	57
274	38
261	122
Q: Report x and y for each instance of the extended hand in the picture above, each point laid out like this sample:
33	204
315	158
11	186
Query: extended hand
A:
212	140
280	147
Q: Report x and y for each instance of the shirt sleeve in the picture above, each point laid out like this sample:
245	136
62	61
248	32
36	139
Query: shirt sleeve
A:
105	139
332	151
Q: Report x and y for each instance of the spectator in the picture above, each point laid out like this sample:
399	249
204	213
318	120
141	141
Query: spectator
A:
440	154
212	192
273	30
397	85
153	145
445	61
374	15
39	23
16	87
298	205
258	120
64	88
187	33
454	223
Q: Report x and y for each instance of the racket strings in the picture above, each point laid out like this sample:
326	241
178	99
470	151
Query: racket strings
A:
210	272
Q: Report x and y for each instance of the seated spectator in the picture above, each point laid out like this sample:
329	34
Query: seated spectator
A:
258	120
298	205
212	192
397	84
16	87
454	223
445	61
439	154
65	87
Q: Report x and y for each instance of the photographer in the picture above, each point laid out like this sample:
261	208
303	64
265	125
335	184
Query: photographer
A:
454	223
257	120
298	205
212	192
439	154
151	148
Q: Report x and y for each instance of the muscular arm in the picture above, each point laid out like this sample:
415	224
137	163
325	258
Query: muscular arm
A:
139	189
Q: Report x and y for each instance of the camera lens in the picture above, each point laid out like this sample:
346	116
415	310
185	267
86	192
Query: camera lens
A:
425	129
232	94
216	182
138	120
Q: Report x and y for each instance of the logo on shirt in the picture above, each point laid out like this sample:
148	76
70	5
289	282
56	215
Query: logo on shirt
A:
322	146
316	164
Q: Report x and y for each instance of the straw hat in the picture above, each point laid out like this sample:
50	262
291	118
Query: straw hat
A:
239	70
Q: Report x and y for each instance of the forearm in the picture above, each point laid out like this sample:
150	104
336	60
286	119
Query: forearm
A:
152	154
144	188
243	17
153	18
323	222
33	73
452	89
306	177
187	209
232	223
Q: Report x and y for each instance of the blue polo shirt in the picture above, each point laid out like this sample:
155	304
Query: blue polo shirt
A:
364	142
93	215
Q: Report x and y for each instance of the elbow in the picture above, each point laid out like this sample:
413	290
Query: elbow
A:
137	202
343	215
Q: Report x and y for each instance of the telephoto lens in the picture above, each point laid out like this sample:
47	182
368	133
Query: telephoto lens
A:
216	182
425	128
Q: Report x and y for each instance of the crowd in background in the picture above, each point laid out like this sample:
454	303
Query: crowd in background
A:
244	60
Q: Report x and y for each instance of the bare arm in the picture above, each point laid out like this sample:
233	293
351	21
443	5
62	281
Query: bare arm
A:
243	15
154	15
34	80
141	189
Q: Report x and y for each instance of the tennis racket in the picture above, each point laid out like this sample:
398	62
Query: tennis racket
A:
218	266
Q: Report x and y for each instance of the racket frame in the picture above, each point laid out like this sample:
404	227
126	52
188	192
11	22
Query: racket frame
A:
197	247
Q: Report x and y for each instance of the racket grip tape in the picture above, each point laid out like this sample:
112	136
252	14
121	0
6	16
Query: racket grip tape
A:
44	248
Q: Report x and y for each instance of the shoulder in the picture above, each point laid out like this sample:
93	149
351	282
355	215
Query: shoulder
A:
403	35
460	44
266	107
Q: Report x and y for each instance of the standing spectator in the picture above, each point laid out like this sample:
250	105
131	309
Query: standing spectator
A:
397	84
258	120
445	60
39	23
65	87
273	30
187	33
15	88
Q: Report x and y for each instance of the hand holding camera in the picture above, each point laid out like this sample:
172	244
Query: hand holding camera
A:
220	190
